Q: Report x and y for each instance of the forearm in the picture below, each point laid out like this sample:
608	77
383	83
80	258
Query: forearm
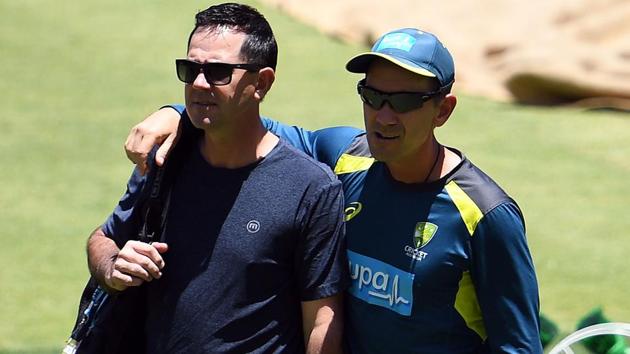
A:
323	334
101	253
325	338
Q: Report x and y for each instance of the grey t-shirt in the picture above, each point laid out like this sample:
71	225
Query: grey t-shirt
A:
246	246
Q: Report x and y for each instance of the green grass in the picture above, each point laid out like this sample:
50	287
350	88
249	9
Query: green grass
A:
567	170
77	75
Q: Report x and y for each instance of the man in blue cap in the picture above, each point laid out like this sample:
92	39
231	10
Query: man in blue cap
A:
437	250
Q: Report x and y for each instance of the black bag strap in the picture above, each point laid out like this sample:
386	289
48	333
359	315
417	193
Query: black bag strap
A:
153	204
154	209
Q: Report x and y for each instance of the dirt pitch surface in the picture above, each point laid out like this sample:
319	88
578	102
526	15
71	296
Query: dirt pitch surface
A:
536	51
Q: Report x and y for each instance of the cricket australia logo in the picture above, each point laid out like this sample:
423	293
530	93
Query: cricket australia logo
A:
422	234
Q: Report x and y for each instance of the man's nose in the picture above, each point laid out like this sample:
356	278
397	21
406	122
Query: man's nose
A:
201	83
386	115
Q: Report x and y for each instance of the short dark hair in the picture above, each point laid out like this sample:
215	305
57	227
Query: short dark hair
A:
259	47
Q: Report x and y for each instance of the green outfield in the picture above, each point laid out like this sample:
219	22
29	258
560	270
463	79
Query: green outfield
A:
75	76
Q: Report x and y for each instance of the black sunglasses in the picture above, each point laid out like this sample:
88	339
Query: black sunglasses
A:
400	102
215	73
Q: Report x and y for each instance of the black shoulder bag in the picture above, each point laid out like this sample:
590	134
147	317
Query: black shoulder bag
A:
114	323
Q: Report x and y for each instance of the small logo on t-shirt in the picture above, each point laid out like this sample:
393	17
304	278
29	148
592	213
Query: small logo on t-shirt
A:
253	226
353	209
422	234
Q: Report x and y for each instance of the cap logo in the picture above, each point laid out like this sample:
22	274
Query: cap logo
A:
402	41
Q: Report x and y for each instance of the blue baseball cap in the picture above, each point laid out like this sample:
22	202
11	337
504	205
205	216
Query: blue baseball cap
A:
412	49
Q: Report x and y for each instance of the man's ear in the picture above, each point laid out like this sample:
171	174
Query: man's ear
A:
447	105
266	77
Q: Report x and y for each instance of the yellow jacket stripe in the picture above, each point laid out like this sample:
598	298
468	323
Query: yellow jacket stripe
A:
468	307
470	212
348	164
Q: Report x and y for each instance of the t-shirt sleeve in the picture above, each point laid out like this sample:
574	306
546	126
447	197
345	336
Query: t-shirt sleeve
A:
321	261
505	282
123	223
